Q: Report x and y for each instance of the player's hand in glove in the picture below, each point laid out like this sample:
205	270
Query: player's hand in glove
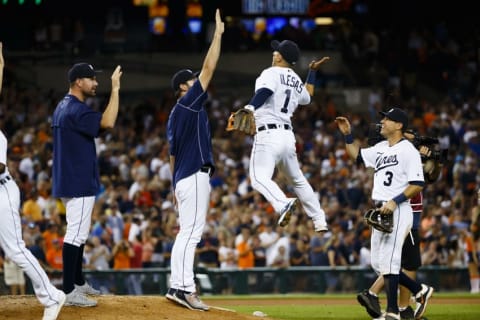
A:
242	120
378	220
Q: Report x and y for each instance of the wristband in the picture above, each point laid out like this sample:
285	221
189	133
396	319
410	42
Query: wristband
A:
348	138
400	198
250	107
311	76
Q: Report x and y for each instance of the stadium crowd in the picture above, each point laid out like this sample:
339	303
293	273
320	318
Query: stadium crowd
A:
134	220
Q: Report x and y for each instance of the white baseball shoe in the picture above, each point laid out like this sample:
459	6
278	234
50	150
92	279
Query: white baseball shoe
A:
51	312
78	299
287	212
320	226
86	288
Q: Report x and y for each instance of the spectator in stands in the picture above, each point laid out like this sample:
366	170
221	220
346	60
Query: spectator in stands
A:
14	277
245	256
207	249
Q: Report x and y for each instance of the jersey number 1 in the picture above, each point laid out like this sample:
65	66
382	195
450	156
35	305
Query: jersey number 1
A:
288	92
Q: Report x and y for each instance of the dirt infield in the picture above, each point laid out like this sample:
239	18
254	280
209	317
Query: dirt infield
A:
156	308
117	308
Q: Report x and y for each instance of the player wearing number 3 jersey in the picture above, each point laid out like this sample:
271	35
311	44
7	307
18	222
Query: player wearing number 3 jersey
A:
398	176
278	93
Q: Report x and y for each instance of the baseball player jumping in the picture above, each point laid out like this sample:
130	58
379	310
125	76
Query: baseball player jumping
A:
11	234
398	176
278	93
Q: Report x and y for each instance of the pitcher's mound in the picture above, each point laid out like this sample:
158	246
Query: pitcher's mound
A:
112	307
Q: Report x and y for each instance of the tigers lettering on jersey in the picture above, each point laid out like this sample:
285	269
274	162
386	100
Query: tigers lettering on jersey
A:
291	81
384	162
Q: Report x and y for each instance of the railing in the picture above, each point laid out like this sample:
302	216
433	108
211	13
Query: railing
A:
353	279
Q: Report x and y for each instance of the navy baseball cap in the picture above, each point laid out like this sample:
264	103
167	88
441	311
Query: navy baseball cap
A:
182	76
288	49
397	115
81	70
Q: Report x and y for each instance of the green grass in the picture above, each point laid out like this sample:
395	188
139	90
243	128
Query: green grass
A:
437	310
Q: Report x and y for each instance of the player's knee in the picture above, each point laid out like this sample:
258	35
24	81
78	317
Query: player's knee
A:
17	256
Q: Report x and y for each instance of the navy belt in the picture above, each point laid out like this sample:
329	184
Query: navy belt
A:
275	126
5	180
207	169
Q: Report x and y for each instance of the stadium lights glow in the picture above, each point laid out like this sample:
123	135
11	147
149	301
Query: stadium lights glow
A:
323	21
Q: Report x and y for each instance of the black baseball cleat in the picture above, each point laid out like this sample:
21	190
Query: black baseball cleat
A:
407	314
189	300
370	302
422	299
171	294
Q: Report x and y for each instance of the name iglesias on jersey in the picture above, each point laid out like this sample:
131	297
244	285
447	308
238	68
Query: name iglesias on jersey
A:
292	82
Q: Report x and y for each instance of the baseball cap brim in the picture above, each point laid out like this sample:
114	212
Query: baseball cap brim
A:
397	115
183	76
275	44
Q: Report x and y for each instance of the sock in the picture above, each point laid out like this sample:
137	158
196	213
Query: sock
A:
391	288
372	293
79	279
410	284
70	257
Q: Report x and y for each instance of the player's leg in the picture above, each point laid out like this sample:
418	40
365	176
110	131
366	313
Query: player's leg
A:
193	196
79	217
14	247
390	256
304	191
411	261
263	160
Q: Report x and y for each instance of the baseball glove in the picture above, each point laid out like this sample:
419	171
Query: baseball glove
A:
242	120
380	221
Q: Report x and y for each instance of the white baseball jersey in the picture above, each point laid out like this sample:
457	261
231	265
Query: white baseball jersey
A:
394	167
288	92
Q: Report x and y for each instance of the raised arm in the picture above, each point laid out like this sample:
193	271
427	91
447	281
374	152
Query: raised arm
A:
312	74
345	128
211	59
111	111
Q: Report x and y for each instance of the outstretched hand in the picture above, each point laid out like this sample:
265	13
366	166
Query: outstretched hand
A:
343	125
116	78
315	64
220	27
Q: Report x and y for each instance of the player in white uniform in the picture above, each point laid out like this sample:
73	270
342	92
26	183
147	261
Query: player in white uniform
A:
278	93
398	177
11	234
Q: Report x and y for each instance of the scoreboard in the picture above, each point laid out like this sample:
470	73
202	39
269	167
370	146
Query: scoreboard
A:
275	7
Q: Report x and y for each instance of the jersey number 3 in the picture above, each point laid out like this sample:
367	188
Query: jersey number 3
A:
389	176
288	92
